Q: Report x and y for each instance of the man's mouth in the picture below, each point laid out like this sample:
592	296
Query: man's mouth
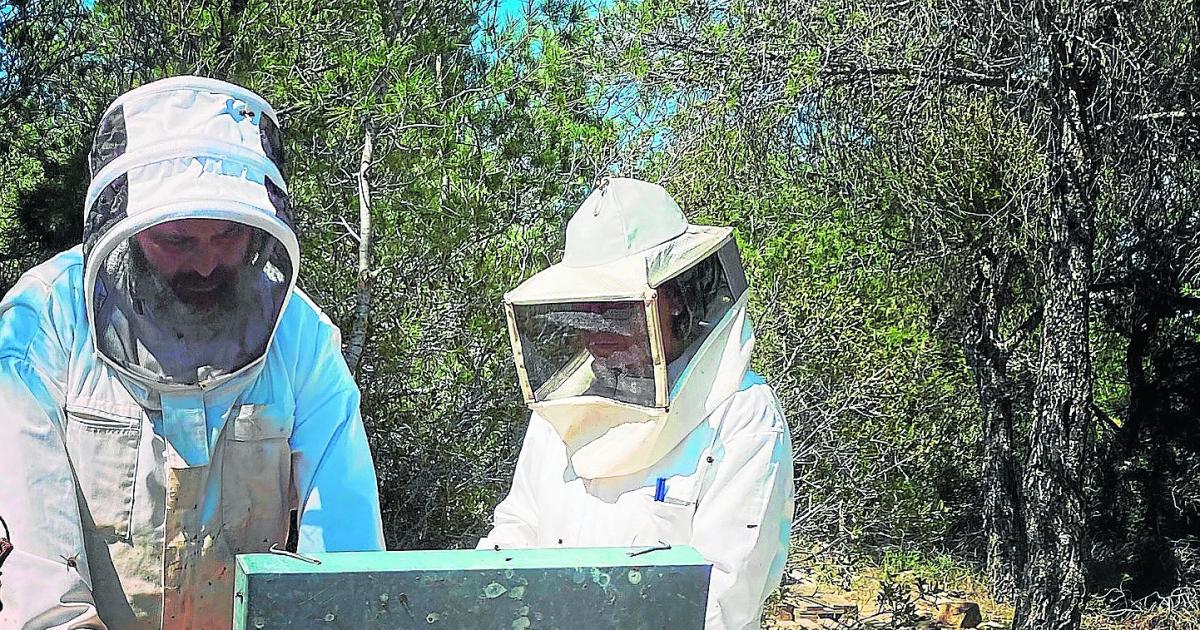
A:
606	347
200	291
200	287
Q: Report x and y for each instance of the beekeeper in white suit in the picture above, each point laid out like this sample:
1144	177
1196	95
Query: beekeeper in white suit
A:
648	426
168	393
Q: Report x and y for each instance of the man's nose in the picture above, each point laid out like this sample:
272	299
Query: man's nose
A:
205	260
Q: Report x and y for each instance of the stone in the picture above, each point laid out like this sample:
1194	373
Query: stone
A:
825	606
957	613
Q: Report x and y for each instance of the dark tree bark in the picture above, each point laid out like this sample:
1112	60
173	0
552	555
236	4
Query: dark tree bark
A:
1054	576
988	357
1142	328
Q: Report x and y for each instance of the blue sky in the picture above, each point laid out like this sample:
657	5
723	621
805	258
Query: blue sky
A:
510	9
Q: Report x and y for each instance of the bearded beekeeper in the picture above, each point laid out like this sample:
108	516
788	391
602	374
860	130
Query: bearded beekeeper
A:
648	426
168	393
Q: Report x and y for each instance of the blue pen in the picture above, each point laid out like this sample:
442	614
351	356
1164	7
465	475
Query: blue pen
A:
660	489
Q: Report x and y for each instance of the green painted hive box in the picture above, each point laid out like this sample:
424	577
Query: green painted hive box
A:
508	589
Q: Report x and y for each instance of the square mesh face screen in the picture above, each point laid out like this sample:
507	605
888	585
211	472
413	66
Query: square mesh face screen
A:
507	589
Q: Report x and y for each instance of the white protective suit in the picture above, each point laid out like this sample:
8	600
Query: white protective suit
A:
142	446
693	450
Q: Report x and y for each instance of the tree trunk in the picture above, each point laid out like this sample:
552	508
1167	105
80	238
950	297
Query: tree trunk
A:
362	306
1143	324
988	359
1054	581
1054	476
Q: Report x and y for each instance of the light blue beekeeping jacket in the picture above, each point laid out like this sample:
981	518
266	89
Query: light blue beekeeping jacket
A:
127	499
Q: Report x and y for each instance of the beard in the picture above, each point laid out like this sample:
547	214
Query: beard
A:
629	385
626	374
192	306
200	292
186	327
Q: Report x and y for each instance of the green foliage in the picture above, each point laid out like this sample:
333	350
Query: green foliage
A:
865	218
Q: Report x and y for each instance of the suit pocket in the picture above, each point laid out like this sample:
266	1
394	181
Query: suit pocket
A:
670	520
256	477
670	523
103	448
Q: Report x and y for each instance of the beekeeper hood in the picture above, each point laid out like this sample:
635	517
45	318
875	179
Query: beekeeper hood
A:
189	249
637	335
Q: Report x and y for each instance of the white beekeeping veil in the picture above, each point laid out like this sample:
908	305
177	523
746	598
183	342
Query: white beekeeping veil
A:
180	150
637	335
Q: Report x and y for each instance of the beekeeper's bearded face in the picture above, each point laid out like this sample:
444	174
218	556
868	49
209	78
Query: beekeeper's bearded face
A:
198	259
